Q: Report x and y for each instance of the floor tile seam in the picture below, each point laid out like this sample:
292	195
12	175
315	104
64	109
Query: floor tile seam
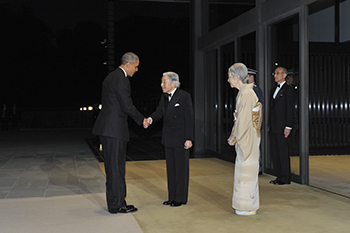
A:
48	179
77	173
50	173
12	188
12	157
80	182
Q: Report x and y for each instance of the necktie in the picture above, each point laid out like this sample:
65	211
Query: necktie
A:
168	96
278	85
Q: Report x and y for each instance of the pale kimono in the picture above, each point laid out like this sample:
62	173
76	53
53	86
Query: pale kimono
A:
246	187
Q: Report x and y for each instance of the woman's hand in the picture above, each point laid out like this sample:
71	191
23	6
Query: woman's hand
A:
231	139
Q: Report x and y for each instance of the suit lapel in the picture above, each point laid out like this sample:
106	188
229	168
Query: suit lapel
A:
166	102
281	92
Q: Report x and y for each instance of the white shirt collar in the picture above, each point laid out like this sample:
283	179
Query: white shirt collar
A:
172	93
282	84
123	71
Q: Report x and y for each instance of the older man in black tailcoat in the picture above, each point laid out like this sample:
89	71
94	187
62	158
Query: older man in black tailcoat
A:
175	107
280	125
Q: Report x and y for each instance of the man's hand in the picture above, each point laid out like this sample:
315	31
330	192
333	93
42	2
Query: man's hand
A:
188	144
286	132
146	123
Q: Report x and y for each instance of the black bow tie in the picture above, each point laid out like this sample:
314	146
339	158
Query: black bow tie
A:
167	95
279	85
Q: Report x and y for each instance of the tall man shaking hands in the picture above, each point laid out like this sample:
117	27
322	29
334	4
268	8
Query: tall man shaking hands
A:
112	127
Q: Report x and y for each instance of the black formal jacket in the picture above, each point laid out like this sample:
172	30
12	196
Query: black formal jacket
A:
177	118
282	109
116	106
260	96
259	93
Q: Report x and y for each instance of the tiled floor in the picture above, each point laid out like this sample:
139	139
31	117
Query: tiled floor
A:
43	163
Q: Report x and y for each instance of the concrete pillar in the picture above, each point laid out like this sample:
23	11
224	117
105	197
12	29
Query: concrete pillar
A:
197	15
110	36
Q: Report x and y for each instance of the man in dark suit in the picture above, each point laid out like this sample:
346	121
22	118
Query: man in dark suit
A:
280	126
257	90
5	115
251	75
112	127
175	107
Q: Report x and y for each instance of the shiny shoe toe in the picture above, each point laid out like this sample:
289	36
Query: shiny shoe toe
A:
176	204
273	181
167	202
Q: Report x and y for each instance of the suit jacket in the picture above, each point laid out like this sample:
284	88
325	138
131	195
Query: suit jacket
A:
260	96
282	109
259	93
177	118
116	106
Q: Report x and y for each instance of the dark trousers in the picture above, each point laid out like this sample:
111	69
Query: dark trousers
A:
280	157
177	163
114	153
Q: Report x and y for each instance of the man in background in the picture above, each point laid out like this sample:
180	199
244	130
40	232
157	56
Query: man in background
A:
280	125
252	76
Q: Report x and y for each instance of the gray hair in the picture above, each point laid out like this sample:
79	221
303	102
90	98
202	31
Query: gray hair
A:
173	77
241	70
129	57
284	70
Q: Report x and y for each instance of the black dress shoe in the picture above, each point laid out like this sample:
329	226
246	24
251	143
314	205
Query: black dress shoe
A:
176	204
113	211
124	210
273	181
281	183
168	202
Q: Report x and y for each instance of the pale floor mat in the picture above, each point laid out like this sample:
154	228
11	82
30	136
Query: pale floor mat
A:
290	208
76	213
329	172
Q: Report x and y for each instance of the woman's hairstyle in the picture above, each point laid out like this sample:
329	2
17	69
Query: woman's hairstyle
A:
241	70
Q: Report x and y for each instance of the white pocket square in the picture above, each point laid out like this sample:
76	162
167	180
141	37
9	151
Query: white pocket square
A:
176	105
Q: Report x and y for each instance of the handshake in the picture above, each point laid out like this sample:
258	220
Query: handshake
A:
147	122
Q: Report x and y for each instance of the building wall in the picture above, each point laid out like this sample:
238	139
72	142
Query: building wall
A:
221	47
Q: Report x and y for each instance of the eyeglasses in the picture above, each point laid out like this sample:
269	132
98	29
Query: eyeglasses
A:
277	73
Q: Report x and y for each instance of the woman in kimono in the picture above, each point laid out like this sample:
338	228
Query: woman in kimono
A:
246	138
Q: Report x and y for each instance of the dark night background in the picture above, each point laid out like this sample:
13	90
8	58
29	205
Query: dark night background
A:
52	57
